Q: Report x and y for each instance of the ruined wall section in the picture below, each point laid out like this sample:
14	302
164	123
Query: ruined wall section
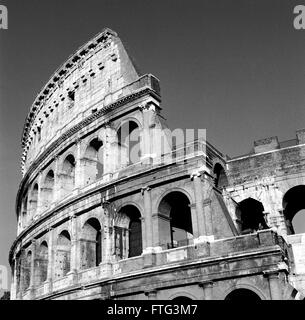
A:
267	174
92	78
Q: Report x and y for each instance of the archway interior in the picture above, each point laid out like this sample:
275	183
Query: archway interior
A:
251	215
134	230
129	143
94	161
293	207
91	244
175	220
63	254
221	180
242	295
42	263
48	188
68	174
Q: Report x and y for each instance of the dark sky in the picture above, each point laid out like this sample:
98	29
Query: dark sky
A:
236	68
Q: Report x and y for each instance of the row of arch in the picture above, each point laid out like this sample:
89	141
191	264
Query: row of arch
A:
62	181
176	224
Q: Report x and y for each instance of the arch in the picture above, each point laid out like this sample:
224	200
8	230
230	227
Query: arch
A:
221	180
181	299
63	254
67	179
42	263
93	161
250	213
242	294
47	189
182	296
132	232
91	244
293	203
129	140
33	201
175	220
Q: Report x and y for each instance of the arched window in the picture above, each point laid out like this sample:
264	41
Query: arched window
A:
251	215
68	174
221	180
175	220
242	295
33	201
63	254
42	263
91	244
134	233
294	207
47	189
93	161
129	144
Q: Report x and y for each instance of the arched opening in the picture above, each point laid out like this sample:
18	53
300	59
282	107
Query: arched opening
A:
129	141
42	263
91	244
221	180
175	220
33	202
27	270
293	209
132	231
68	174
93	161
250	214
63	254
242	295
48	189
24	211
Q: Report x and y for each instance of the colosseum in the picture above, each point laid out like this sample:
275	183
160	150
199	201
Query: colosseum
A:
99	220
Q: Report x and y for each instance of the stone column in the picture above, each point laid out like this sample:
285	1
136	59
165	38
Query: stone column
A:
110	152
14	281
195	224
207	287
75	247
148	231
57	181
79	170
148	112
21	275
51	259
274	284
107	254
33	262
201	227
39	196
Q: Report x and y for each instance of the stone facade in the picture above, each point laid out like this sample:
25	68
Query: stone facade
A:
97	221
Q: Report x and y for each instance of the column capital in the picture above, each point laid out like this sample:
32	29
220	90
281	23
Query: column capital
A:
271	274
206	284
146	188
151	292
